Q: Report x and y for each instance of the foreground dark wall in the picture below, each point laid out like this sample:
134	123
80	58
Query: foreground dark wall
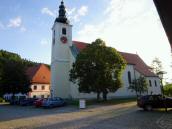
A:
164	8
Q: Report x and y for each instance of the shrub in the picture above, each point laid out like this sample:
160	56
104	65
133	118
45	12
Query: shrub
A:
2	100
168	90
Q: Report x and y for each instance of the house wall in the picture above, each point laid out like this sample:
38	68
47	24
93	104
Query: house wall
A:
39	92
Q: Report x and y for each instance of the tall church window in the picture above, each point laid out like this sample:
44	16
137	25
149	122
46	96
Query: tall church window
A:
64	31
155	83
53	37
129	77
150	83
54	33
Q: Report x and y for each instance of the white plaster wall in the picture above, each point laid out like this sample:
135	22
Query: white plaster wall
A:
154	89
38	92
60	62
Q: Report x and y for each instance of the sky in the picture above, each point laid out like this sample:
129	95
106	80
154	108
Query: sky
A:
128	25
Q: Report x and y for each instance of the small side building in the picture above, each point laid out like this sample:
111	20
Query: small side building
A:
39	77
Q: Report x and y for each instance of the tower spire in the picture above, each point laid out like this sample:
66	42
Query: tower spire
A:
62	14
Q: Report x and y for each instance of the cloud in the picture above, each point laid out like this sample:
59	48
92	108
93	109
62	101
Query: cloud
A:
75	14
120	17
15	23
130	26
44	42
1	25
70	11
82	11
22	29
48	12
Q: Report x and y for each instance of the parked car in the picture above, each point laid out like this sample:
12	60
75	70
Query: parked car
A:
53	102
27	102
149	102
39	102
16	100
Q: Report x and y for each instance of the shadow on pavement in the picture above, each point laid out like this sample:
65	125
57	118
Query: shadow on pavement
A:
11	112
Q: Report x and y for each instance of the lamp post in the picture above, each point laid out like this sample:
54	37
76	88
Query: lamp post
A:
160	75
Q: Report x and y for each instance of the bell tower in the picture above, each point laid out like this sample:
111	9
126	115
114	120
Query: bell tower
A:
60	56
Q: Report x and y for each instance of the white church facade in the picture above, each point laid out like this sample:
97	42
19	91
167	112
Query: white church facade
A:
64	52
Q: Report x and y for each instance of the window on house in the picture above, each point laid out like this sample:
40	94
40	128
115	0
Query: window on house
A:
34	96
42	96
35	87
129	77
155	83
43	87
64	31
150	83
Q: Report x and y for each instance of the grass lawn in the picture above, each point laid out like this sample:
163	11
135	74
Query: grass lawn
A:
101	102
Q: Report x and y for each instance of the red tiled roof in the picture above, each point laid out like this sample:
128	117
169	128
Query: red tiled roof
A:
138	63
39	74
80	45
133	59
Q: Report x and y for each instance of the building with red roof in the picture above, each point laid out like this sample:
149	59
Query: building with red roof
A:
39	77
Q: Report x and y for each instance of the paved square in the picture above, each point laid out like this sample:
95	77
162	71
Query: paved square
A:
121	116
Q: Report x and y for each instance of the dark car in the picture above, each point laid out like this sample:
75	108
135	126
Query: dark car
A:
149	102
27	102
53	102
17	100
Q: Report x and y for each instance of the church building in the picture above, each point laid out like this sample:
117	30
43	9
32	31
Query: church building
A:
64	52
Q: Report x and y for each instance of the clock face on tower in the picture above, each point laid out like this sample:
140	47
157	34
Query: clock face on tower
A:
63	39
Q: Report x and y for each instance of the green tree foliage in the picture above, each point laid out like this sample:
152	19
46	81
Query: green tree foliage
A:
168	90
12	73
156	65
98	69
139	85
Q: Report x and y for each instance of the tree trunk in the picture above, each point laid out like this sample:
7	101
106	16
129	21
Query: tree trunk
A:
137	95
105	95
98	96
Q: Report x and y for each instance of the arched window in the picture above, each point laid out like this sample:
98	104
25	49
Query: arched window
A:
64	31
129	77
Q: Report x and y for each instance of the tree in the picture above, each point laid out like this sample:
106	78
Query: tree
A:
139	85
168	90
156	65
12	74
98	69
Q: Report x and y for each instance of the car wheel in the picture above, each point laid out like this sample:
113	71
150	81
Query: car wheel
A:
148	108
